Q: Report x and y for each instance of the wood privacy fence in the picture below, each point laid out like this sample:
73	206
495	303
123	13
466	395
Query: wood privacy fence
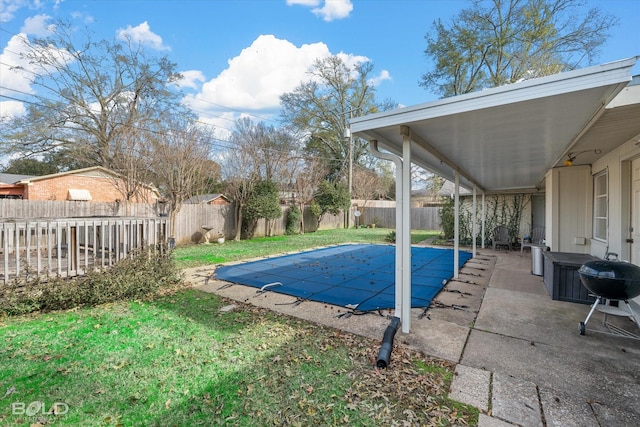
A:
421	218
189	222
70	247
69	238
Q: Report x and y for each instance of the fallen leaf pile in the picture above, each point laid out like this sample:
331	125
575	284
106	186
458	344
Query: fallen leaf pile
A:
403	394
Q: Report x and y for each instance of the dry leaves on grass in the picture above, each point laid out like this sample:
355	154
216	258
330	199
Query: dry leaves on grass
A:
404	394
411	391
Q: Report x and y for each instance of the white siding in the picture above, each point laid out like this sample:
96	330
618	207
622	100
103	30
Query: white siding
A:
569	209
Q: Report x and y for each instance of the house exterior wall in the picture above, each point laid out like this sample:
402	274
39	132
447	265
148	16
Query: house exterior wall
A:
617	162
568	204
102	189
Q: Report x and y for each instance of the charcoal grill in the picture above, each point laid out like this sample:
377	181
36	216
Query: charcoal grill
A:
611	281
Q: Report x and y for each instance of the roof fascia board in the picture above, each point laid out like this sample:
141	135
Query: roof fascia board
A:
601	75
71	172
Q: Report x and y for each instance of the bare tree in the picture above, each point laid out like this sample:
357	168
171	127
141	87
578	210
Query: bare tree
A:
99	102
181	162
367	185
307	174
322	106
259	153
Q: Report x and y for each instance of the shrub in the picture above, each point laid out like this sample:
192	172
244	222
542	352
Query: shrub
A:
391	237
293	219
139	275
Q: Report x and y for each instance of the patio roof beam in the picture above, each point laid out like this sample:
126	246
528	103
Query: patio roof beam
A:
422	142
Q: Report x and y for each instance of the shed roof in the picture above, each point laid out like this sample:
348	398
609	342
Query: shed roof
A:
206	198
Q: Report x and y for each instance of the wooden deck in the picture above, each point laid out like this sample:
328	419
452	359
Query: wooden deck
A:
71	247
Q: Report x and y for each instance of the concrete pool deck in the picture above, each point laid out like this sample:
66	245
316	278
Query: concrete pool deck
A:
519	356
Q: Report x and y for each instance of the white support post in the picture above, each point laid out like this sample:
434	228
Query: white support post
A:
406	231
456	227
483	219
399	241
475	223
399	235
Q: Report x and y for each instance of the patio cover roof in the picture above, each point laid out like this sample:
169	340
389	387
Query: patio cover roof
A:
500	139
507	138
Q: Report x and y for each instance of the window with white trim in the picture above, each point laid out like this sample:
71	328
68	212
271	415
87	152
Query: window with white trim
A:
600	206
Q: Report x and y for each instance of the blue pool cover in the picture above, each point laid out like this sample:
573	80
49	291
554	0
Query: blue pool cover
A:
361	277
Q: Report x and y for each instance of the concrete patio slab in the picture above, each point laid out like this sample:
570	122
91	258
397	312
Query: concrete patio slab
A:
487	421
516	401
471	386
562	410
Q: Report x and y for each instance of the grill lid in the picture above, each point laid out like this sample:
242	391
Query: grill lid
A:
611	279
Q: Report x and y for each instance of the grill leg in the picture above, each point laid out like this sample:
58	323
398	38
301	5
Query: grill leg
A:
593	308
633	313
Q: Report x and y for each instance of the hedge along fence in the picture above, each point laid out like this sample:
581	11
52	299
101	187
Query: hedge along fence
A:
188	227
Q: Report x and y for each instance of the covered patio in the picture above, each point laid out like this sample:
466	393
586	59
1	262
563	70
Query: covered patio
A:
501	140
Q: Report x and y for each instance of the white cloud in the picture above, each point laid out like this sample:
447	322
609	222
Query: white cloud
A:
38	26
83	17
310	3
9	7
332	9
352	60
17	74
376	81
190	79
143	35
255	79
10	109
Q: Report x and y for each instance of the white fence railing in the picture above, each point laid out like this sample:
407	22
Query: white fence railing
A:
70	247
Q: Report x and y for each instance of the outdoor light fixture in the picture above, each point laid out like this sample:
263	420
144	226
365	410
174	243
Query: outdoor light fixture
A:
572	156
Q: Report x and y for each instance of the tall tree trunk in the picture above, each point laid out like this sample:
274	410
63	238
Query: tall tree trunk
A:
238	219
301	218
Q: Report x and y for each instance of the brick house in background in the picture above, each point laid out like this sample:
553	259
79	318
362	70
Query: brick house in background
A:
209	199
95	184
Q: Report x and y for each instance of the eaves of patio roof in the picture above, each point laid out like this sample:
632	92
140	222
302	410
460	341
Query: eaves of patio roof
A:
507	138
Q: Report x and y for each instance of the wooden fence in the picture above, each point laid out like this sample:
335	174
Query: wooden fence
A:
70	247
421	218
189	222
68	238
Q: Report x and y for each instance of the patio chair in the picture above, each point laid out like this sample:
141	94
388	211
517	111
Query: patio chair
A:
501	237
537	238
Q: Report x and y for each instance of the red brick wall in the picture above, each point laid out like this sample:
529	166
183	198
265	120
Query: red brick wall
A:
101	189
221	201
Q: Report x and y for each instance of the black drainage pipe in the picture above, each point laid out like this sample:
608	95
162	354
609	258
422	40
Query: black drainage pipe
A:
387	343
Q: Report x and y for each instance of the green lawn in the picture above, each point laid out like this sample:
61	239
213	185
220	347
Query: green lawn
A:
198	255
179	361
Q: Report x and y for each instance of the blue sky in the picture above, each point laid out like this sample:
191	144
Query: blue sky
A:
240	56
